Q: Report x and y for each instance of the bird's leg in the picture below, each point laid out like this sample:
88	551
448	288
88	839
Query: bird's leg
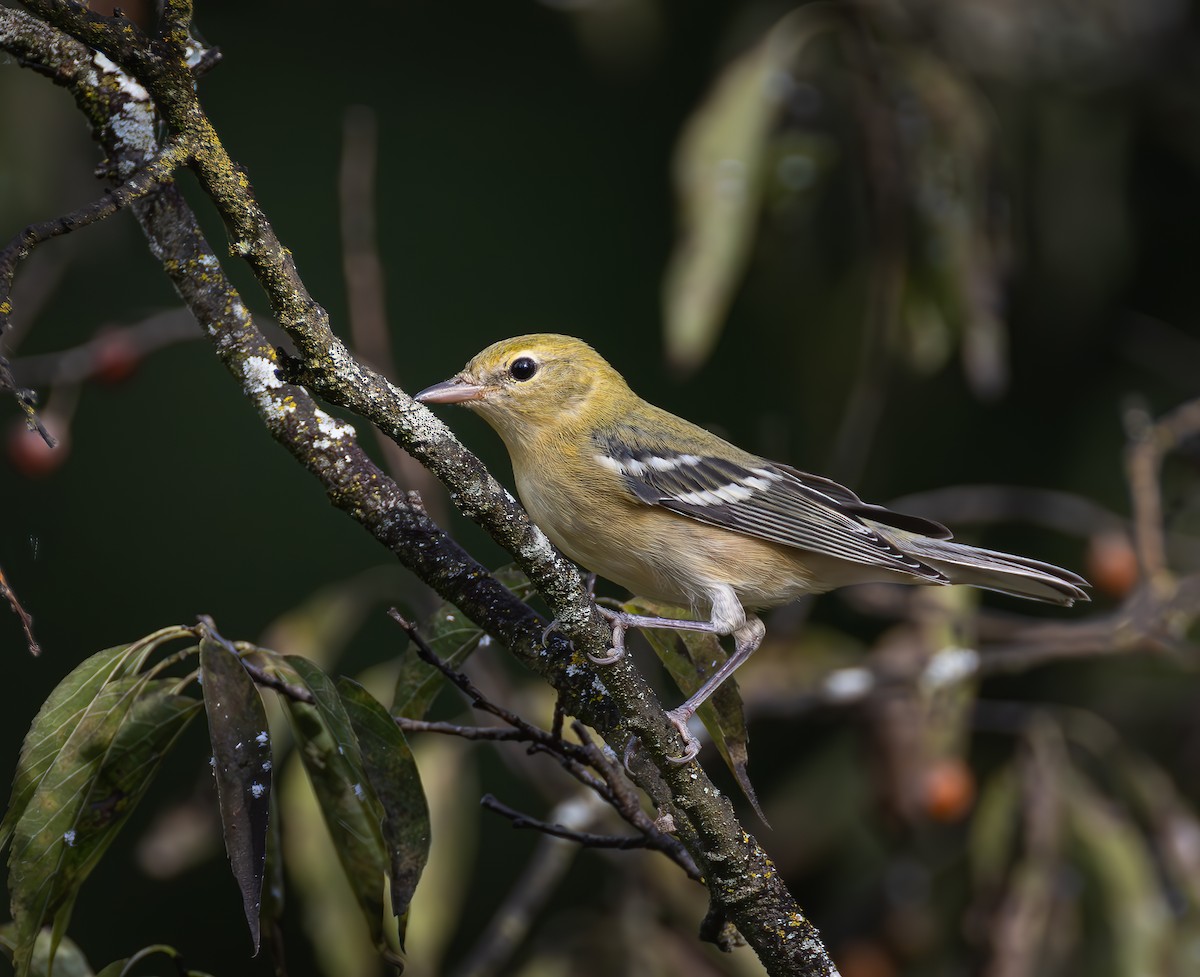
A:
746	640
622	621
728	617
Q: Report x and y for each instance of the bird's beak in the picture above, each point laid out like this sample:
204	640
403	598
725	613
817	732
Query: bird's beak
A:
456	390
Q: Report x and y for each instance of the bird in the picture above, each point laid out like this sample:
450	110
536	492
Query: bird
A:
675	514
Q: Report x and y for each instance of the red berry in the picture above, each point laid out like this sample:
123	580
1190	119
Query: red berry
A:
29	453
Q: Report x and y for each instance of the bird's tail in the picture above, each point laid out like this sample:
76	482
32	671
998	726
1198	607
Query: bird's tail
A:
990	570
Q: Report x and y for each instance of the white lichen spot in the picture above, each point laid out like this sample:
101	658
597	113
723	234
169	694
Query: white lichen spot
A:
848	684
212	762
599	686
948	666
128	85
266	765
69	837
331	430
262	738
485	641
358	791
257	790
260	375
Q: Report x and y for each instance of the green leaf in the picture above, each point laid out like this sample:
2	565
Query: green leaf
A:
393	777
993	838
119	968
453	638
352	812
718	174
84	798
64	710
68	959
1117	862
237	726
690	657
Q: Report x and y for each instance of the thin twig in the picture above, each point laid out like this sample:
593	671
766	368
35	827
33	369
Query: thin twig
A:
1149	444
176	151
26	619
583	760
269	680
467	687
585	838
365	298
493	733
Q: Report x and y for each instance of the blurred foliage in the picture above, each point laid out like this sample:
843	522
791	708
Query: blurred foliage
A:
909	242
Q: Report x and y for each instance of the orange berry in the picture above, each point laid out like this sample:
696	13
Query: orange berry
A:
1112	564
947	790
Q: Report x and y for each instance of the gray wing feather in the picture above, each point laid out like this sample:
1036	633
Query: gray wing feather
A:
770	502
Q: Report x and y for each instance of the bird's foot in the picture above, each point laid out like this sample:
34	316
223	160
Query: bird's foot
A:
619	621
691	745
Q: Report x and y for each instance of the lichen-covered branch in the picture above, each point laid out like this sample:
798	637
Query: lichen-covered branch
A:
157	83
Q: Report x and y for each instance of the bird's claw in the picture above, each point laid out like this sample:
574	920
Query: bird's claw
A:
548	630
619	622
614	655
691	745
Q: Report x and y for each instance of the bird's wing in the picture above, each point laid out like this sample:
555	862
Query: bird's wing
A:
769	501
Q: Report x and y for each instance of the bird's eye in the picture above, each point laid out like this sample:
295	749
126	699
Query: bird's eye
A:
522	368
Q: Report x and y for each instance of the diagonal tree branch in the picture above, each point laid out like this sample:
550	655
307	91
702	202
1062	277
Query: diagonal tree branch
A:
744	884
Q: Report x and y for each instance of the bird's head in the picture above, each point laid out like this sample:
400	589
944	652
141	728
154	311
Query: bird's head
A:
529	385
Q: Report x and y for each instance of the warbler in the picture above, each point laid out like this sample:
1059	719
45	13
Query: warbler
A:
673	513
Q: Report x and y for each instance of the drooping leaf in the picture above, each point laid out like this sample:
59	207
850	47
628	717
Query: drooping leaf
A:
91	787
323	897
690	657
392	774
237	727
352	811
718	175
64	711
1117	862
453	637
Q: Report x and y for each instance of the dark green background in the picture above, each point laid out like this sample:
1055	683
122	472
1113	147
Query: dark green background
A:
525	186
